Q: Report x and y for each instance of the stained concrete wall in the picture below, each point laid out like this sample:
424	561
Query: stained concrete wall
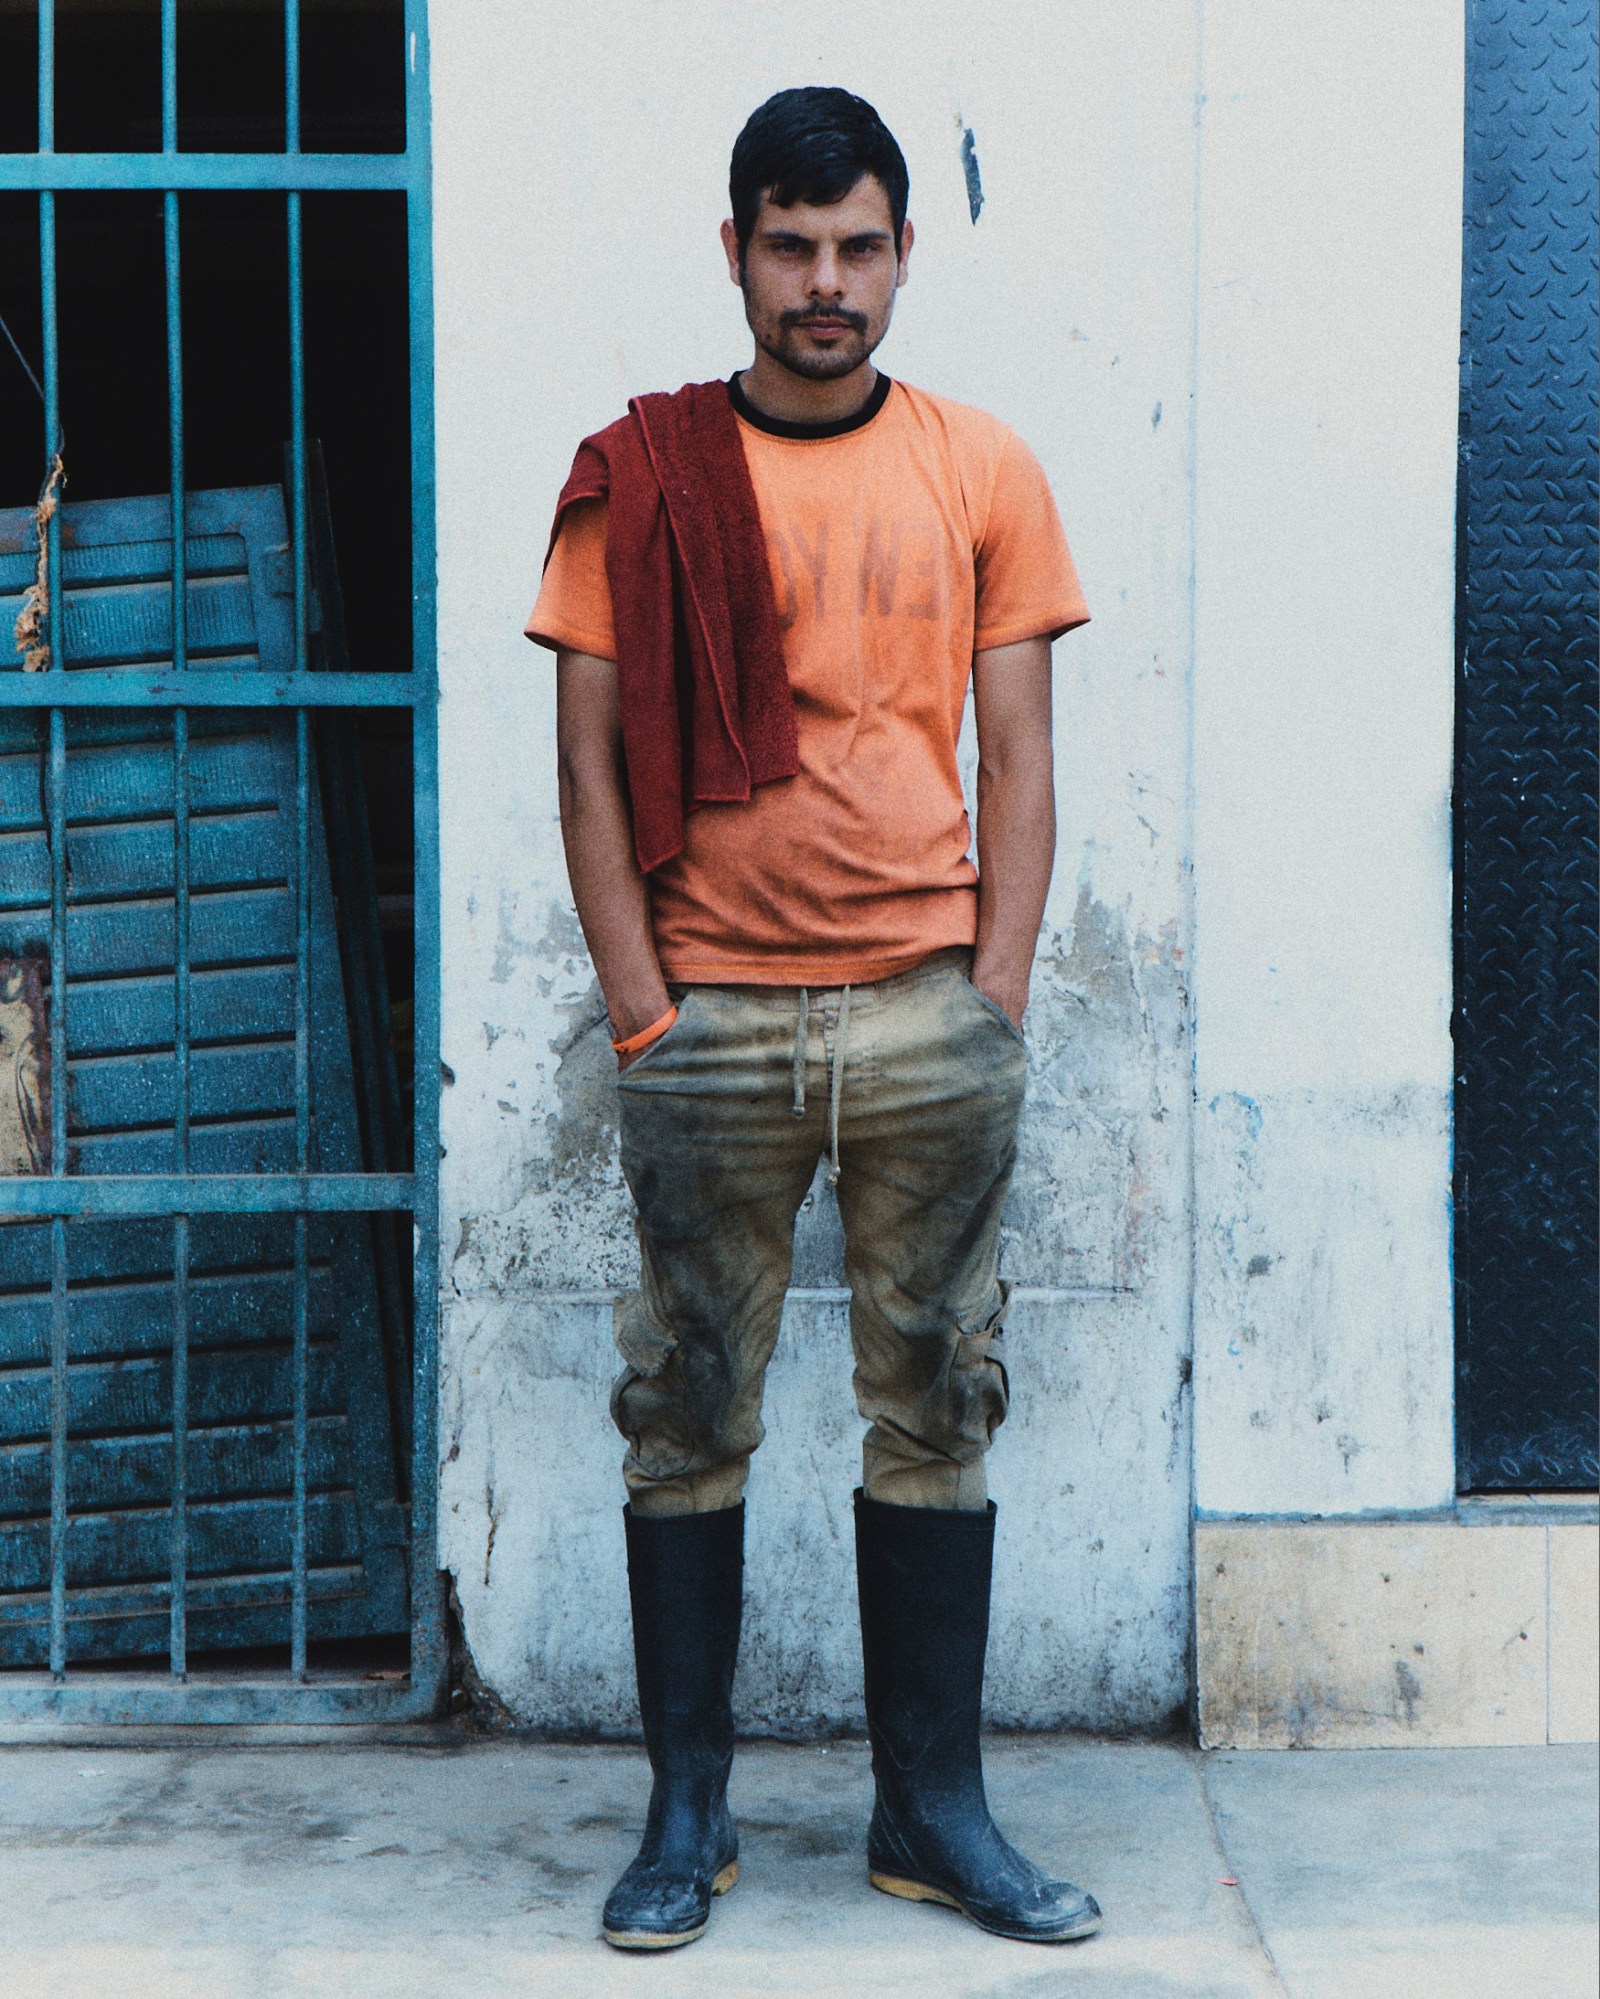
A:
1212	283
581	174
1328	329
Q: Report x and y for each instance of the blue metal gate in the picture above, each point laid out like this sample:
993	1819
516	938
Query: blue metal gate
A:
184	706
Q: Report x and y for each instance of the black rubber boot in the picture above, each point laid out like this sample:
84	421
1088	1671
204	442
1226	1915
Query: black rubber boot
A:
924	1575
686	1582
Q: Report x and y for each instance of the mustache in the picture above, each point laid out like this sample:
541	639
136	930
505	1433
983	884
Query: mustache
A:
833	316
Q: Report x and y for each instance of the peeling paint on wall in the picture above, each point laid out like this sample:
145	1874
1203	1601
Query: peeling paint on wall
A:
969	167
1105	1028
1107	1033
1322	1228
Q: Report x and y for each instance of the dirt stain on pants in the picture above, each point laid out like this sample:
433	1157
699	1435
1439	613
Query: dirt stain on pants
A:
912	1087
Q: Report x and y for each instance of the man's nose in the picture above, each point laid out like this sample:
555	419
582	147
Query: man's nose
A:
825	278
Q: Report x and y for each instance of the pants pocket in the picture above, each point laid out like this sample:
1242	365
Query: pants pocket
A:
996	1013
978	1386
647	1397
662	1049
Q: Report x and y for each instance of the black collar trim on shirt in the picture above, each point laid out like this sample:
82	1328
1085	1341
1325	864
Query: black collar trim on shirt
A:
777	426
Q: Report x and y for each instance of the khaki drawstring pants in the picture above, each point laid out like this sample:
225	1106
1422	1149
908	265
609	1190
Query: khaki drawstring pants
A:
911	1086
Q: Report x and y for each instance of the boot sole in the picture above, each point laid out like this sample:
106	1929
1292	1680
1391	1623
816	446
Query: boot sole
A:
672	1939
922	1891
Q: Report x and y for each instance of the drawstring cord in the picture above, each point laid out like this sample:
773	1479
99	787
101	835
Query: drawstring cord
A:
802	1035
836	1085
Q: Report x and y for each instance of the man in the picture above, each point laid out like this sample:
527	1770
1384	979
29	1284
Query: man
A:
767	599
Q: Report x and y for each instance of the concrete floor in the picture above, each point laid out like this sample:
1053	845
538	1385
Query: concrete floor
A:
476	1868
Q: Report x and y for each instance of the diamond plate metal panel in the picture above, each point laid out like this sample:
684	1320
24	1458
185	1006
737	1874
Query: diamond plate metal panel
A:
1525	1022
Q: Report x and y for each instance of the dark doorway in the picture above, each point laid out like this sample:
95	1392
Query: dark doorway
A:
1525	1015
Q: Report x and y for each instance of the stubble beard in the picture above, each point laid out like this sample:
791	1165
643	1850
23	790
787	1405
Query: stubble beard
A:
815	366
783	342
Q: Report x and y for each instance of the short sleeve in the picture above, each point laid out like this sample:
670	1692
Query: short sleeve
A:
1027	586
574	607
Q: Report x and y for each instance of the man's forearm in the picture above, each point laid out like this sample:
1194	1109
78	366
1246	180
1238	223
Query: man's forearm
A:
1016	852
613	902
612	898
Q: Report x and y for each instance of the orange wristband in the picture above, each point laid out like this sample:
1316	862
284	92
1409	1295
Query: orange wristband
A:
643	1039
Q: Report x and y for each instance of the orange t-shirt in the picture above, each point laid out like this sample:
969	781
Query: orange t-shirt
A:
900	543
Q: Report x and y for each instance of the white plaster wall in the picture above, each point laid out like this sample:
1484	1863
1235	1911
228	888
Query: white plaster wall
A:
581	173
1327	330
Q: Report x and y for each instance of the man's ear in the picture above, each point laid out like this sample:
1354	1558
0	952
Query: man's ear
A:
908	236
730	244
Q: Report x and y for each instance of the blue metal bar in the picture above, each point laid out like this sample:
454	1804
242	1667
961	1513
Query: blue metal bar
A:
58	1155
49	310
55	629
116	1700
297	440
47	77
430	1663
58	1447
297	1532
302	839
180	718
302	1106
178	1632
302	1146
302	941
159	687
291	76
169	76
333	173
206	1194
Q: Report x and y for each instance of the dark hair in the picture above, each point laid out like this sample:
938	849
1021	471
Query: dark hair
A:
813	144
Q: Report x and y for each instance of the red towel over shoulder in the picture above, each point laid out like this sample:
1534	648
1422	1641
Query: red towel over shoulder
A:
707	712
